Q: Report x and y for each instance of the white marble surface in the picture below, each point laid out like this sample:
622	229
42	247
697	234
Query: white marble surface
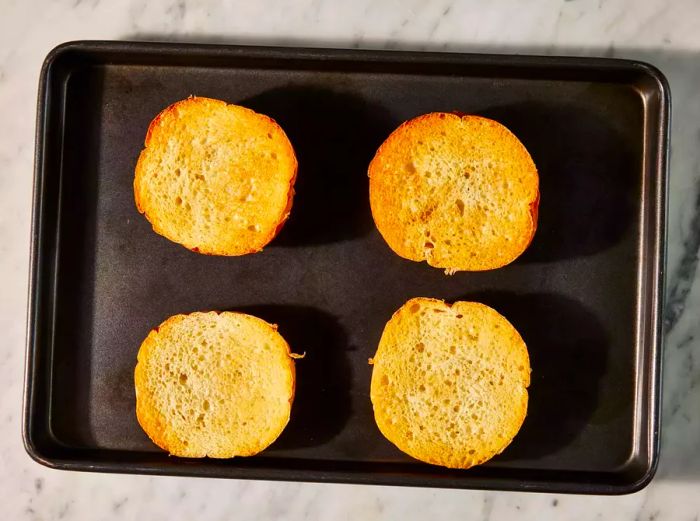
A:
663	32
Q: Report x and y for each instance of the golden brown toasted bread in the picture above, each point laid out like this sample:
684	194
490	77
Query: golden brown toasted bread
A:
216	178
460	192
449	383
214	384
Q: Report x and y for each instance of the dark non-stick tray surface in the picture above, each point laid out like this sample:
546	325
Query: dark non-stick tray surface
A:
585	295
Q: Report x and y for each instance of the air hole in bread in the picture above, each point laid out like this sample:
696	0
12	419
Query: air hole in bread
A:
385	380
421	388
178	200
453	350
183	378
460	206
414	308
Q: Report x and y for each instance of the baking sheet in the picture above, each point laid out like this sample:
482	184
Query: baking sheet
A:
585	296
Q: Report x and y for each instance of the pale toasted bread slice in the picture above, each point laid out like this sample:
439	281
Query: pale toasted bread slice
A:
460	192
216	178
449	383
214	384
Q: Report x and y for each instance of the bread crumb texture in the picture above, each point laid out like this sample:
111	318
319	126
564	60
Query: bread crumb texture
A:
449	382
460	192
216	178
214	384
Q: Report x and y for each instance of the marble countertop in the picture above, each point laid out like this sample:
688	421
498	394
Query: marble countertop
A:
664	33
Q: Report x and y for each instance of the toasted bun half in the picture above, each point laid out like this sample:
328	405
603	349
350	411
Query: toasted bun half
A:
216	178
214	384
460	192
449	383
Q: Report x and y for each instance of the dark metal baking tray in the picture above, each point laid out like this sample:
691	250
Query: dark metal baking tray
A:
585	296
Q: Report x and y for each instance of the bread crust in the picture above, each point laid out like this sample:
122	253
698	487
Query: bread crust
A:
165	127
439	159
